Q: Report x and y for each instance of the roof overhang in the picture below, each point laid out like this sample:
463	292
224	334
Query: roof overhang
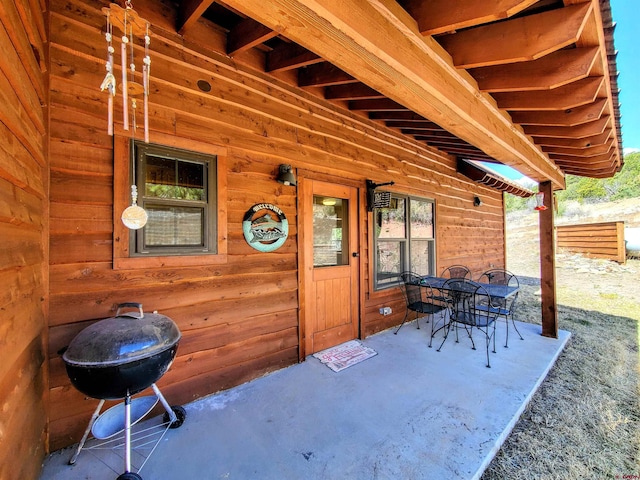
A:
500	81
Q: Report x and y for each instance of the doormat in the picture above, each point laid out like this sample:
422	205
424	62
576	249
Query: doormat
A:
343	356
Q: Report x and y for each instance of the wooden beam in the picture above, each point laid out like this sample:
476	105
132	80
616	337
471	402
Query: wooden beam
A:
351	91
548	264
519	39
289	56
566	118
406	116
580	152
441	16
189	11
551	71
378	43
376	105
417	125
590	160
428	131
586	130
247	34
575	142
568	96
322	75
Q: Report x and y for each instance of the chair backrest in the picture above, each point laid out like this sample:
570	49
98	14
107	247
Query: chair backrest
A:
470	303
459	292
484	309
499	276
456	271
411	287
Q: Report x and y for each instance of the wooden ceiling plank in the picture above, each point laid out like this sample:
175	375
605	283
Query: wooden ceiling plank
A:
551	71
351	91
247	34
379	43
573	95
289	56
581	131
441	16
519	39
189	11
564	118
323	75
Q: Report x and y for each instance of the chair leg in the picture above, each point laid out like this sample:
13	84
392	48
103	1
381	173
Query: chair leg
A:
506	340
403	320
516	328
433	324
447	329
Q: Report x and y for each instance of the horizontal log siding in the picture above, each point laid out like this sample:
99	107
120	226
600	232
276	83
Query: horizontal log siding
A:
239	319
23	224
599	240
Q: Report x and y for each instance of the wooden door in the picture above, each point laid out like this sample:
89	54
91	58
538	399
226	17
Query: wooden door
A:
329	264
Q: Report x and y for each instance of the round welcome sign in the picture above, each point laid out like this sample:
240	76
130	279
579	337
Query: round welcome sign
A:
265	227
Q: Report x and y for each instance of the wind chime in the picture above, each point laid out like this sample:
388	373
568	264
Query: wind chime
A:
132	27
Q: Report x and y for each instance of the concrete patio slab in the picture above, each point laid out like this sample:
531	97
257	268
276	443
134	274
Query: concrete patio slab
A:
409	412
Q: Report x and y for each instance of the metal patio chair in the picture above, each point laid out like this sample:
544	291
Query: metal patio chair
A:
506	306
419	298
470	306
456	271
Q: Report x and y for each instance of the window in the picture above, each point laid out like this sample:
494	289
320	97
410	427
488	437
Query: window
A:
404	239
177	188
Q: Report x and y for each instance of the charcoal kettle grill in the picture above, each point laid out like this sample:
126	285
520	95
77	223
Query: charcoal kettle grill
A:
116	358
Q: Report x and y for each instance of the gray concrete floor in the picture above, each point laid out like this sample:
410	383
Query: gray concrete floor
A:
409	412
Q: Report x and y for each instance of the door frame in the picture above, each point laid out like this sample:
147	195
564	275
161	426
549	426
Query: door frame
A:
305	258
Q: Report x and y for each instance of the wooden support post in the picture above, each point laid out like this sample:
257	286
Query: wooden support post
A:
548	264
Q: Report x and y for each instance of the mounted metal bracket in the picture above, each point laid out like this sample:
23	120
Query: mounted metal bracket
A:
377	199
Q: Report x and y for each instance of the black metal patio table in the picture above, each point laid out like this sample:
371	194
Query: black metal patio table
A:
494	290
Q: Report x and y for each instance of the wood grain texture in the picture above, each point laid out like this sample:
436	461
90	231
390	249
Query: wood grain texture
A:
240	314
23	230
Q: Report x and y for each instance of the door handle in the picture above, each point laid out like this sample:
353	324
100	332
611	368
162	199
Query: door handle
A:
355	254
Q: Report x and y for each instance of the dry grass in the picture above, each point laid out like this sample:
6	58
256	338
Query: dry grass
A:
584	422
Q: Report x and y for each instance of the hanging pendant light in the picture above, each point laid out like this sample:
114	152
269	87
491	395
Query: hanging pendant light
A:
134	216
540	202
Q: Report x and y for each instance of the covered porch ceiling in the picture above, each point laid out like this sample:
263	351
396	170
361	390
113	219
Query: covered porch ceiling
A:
531	84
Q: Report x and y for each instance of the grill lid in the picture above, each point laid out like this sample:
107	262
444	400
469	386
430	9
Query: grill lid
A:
122	339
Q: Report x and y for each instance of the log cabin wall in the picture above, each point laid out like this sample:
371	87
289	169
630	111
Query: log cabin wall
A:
23	225
238	314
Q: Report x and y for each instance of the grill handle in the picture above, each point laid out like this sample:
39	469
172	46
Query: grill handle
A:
130	314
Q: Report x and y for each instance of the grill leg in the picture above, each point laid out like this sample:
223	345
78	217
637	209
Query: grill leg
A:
165	404
86	433
127	434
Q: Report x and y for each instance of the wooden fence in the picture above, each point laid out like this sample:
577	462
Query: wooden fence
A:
599	240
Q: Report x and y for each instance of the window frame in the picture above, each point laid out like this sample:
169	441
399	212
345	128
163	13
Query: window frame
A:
122	256
207	206
405	242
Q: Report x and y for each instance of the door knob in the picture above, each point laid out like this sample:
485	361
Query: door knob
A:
355	254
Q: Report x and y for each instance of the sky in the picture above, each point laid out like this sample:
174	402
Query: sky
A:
626	15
